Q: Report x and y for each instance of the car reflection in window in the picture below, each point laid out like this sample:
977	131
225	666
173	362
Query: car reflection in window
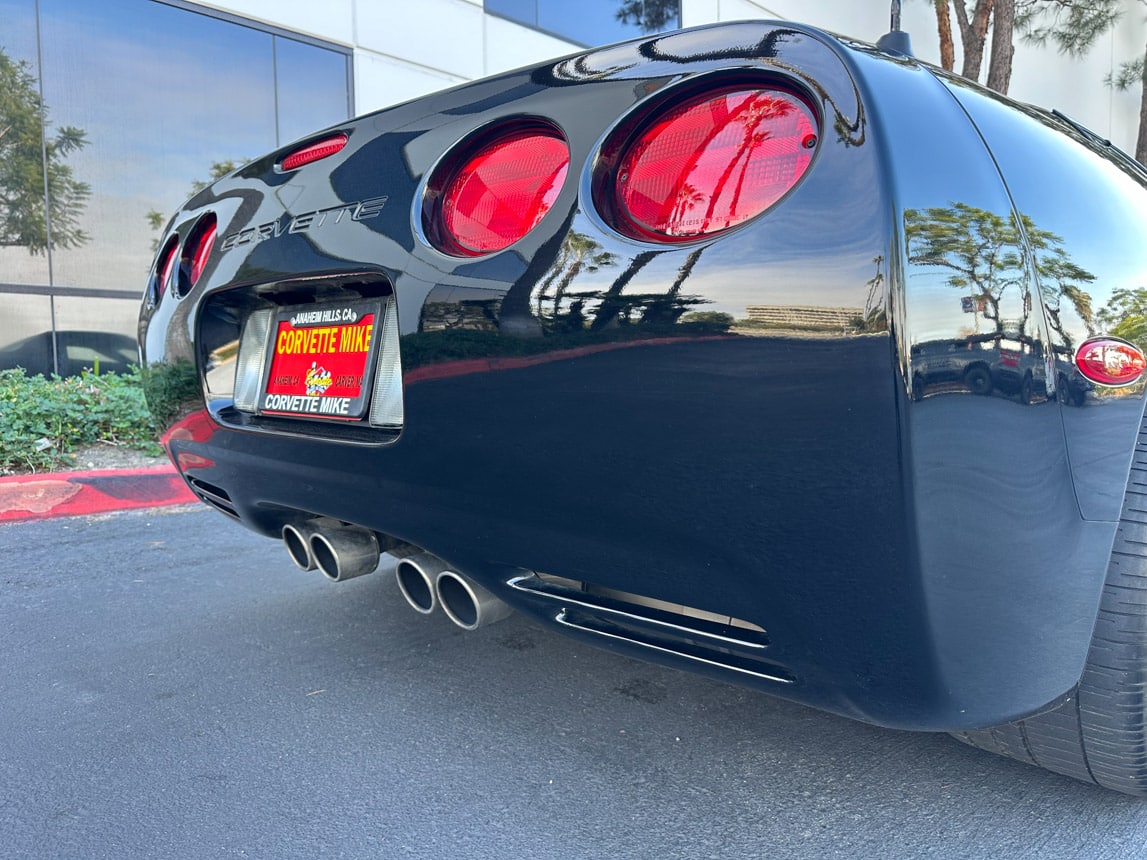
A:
105	352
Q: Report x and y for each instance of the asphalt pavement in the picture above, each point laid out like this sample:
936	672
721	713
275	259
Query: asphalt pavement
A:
174	687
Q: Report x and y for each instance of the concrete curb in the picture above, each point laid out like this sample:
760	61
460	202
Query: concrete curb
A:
63	494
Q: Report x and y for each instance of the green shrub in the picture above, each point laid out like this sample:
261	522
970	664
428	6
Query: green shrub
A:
43	419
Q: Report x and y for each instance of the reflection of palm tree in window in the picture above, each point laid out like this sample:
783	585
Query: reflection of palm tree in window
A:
650	15
26	220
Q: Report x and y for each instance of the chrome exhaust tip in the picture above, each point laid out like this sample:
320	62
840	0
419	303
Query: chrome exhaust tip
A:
415	575
467	603
297	540
344	552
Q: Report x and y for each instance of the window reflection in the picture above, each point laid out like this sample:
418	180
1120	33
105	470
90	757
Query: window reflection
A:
21	171
311	84
26	333
592	22
147	142
143	101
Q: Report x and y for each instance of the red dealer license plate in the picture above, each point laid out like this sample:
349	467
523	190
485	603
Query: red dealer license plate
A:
321	360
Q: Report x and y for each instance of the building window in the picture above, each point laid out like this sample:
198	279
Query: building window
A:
131	104
592	22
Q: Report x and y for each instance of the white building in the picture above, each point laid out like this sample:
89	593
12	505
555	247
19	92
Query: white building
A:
406	49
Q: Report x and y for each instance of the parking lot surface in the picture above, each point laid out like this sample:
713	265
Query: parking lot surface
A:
174	687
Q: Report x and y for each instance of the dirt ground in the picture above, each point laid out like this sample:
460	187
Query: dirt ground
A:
107	456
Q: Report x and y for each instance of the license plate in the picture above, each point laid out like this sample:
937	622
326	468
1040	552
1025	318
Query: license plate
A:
320	361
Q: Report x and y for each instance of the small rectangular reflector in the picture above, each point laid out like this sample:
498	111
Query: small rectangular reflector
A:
312	152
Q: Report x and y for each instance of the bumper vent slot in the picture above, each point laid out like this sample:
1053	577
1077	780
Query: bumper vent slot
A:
696	635
212	495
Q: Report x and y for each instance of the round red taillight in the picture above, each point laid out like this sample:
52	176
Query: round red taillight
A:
201	244
165	265
1110	361
712	162
494	197
196	252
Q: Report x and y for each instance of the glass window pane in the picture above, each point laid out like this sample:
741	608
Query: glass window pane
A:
26	333
91	330
597	22
525	11
592	22
312	88
160	94
21	161
144	102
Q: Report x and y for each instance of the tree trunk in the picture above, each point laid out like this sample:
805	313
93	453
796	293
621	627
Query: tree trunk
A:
944	26
973	34
1003	29
1141	143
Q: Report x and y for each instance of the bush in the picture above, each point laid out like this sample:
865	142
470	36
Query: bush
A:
42	420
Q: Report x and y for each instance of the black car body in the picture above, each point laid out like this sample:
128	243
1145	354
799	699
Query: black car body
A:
594	426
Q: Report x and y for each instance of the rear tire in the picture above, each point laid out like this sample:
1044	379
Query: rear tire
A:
1099	734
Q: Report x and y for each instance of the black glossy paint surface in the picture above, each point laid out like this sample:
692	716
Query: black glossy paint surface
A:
814	423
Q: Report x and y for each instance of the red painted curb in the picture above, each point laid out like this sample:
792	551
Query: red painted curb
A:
65	494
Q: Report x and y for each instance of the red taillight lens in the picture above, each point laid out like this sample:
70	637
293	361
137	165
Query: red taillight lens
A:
1110	362
166	266
196	252
712	163
201	244
313	152
499	194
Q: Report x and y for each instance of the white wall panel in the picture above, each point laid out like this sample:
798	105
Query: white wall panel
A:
332	20
510	45
438	34
381	81
406	48
696	12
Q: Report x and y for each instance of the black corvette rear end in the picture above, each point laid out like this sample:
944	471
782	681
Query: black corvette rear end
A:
827	417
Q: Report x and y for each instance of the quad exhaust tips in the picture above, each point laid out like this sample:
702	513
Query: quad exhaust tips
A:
340	552
297	540
468	604
426	582
416	577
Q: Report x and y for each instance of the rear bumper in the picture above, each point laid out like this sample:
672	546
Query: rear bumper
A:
914	554
705	474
